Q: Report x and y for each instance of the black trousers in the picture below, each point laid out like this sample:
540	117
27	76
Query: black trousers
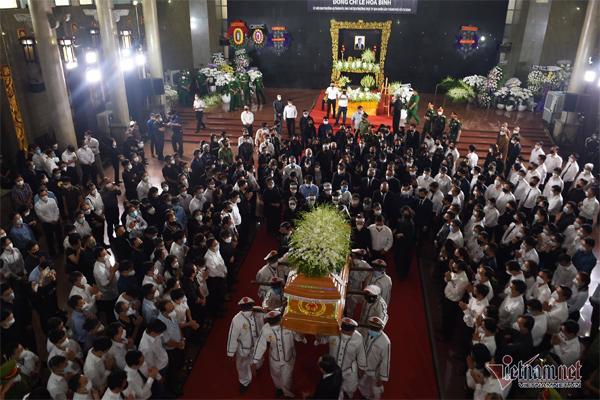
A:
396	122
330	105
88	173
291	126
450	316
217	287
260	97
199	121
160	144
112	220
53	234
177	142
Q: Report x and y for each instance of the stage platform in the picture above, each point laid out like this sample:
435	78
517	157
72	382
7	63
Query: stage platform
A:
480	127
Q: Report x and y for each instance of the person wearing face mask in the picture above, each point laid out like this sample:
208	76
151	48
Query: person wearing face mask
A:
104	275
143	381
374	306
438	124
565	344
119	343
81	288
21	194
9	332
217	274
513	304
47	211
172	338
272	201
382	237
151	346
57	384
292	211
377	352
580	288
87	162
13	264
381	279
278	106
82	388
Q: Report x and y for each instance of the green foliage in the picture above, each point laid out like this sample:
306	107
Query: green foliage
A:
212	100
367	82
457	90
343	81
447	83
320	243
368	56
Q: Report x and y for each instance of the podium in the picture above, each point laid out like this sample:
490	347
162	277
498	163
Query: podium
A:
315	306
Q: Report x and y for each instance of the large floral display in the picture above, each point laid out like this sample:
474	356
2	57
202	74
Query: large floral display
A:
316	287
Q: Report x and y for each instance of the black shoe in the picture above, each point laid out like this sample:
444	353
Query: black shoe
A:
243	389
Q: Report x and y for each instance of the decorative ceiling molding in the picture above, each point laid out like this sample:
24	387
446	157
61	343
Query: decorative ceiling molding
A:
117	14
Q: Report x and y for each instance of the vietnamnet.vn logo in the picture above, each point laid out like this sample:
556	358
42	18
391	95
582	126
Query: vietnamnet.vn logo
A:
536	373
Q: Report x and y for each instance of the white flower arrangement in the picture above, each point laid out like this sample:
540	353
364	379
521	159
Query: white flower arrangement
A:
224	79
521	95
254	74
513	82
502	94
171	96
362	95
218	59
404	92
475	81
210	72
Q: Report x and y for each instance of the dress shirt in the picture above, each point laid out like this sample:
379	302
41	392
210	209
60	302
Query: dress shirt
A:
199	104
569	171
106	285
70	158
343	100
154	353
85	155
569	350
173	331
535	152
47	211
564	275
57	387
530	197
215	264
456	286
553	181
491	216
247	117
553	161
381	237
95	371
540	327
332	93
589	208
555	203
290	111
309	190
96	202
118	351
474	309
140	388
558	313
509	310
472	159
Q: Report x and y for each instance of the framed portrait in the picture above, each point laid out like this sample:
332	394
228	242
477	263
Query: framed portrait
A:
359	42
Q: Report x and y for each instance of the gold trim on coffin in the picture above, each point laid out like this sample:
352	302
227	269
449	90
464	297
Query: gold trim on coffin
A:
335	26
15	111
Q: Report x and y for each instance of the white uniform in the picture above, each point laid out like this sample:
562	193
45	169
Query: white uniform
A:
265	274
377	351
282	355
356	282
349	353
376	309
244	332
385	284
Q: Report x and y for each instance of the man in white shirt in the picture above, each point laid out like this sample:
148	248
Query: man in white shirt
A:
152	347
247	118
565	272
589	207
97	366
566	343
342	108
476	305
554	179
587	175
331	93
557	308
57	384
290	113
531	195
199	106
570	171
47	211
87	163
540	326
513	305
472	157
425	179
553	160
382	238
217	273
140	377
535	152
456	285
117	386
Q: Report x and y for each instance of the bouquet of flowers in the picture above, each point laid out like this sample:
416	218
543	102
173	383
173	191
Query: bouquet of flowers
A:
502	95
171	97
343	81
219	59
475	81
404	92
368	56
224	82
254	74
493	79
241	59
521	95
512	83
367	81
363	95
210	72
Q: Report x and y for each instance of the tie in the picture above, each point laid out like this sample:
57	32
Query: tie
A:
510	230
565	171
142	376
421	202
526	197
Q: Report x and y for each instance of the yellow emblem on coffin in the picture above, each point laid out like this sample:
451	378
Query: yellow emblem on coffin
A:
311	308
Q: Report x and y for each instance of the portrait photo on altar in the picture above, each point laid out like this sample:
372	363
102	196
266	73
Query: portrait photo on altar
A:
359	42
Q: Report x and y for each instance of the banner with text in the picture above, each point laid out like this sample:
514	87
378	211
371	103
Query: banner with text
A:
378	6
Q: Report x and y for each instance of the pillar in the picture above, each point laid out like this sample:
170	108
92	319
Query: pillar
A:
205	26
154	56
587	43
113	78
52	72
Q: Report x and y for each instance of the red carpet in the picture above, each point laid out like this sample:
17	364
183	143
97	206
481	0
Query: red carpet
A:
317	115
411	375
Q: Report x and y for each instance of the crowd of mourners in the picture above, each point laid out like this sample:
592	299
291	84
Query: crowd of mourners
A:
150	267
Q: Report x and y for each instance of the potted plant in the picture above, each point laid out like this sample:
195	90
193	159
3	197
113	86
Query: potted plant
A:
510	104
501	97
224	82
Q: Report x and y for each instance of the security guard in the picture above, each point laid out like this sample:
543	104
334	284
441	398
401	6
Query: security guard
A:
381	279
244	332
375	306
429	114
282	353
454	126
378	352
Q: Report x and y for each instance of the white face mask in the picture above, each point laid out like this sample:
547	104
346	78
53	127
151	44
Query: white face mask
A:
172	314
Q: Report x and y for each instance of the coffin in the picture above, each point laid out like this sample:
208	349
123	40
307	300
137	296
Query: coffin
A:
315	306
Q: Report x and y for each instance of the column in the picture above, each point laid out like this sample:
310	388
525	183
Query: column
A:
587	43
52	72
155	65
112	74
200	29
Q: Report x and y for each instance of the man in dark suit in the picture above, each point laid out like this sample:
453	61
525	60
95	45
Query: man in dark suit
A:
369	184
387	199
423	213
392	181
330	384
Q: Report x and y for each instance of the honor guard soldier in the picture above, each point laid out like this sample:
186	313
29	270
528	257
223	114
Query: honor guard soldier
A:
282	353
378	352
274	299
244	332
349	352
381	279
429	115
267	272
375	306
357	280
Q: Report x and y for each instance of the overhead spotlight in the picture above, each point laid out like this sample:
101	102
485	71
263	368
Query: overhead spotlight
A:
482	38
127	64
589	75
135	3
93	75
91	57
140	59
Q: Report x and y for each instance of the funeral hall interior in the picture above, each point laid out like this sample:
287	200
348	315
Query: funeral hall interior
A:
301	199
